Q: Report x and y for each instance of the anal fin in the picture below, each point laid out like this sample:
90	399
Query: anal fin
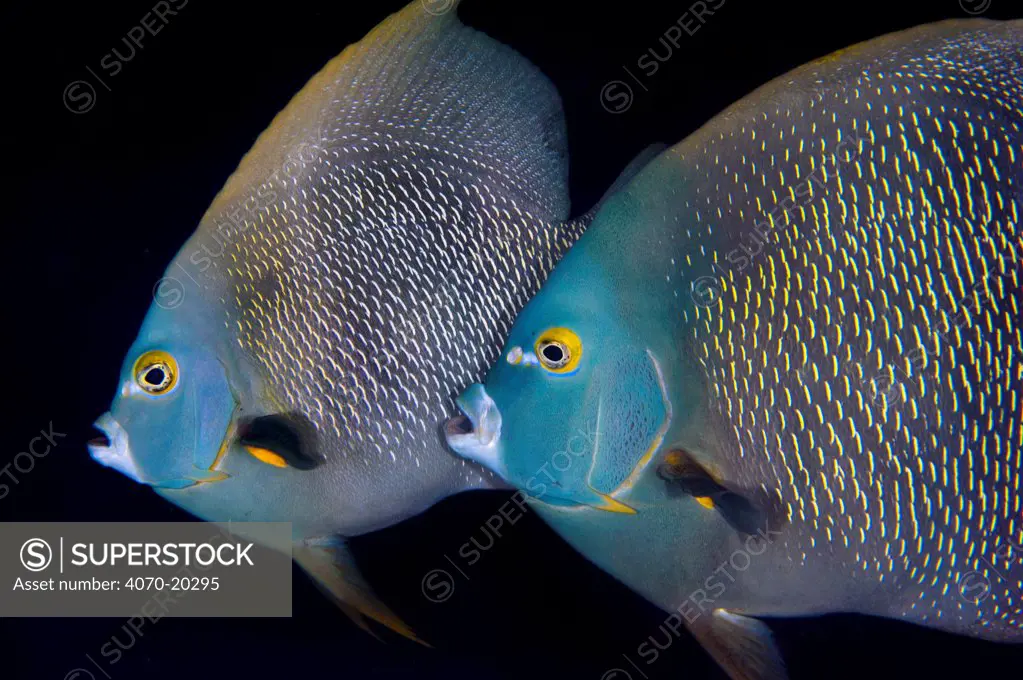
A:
741	645
329	562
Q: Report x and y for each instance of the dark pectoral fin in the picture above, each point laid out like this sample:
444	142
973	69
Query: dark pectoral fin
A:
329	562
742	511
686	474
743	646
282	440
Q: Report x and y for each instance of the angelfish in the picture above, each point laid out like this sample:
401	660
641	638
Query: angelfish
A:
295	363
780	374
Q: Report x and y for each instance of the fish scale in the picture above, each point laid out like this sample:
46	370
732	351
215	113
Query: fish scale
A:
330	326
866	353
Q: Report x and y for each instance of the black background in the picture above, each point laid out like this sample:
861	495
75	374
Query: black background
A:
95	205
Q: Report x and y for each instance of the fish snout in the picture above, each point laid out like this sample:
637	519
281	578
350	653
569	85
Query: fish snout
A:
476	434
112	449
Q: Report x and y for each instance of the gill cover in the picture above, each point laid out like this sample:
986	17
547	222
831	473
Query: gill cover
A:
633	414
609	434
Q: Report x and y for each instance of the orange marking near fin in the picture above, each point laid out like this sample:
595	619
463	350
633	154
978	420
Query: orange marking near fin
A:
266	456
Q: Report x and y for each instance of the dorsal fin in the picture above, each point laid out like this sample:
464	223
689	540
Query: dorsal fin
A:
425	88
642	159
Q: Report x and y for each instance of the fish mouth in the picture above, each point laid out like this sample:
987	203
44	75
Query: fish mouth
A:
102	441
457	426
112	450
476	434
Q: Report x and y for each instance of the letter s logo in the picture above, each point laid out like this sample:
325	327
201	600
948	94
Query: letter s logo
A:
36	554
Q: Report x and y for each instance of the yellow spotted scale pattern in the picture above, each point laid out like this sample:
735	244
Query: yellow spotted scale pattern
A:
862	325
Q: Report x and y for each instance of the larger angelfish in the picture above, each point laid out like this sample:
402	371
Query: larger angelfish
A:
294	367
788	356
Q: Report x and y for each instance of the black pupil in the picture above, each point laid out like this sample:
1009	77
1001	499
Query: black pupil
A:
553	353
155	376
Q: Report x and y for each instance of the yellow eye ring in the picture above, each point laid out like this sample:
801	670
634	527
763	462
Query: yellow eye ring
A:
156	372
559	350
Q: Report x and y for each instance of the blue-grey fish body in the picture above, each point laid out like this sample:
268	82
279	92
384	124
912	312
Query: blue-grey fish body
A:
787	356
298	356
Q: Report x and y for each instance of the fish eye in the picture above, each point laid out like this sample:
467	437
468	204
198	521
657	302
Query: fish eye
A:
156	372
553	354
559	350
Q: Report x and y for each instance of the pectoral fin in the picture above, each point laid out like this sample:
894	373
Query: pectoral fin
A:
743	646
333	568
281	440
742	512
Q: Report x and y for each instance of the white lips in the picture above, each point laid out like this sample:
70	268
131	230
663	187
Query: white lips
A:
118	454
482	444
